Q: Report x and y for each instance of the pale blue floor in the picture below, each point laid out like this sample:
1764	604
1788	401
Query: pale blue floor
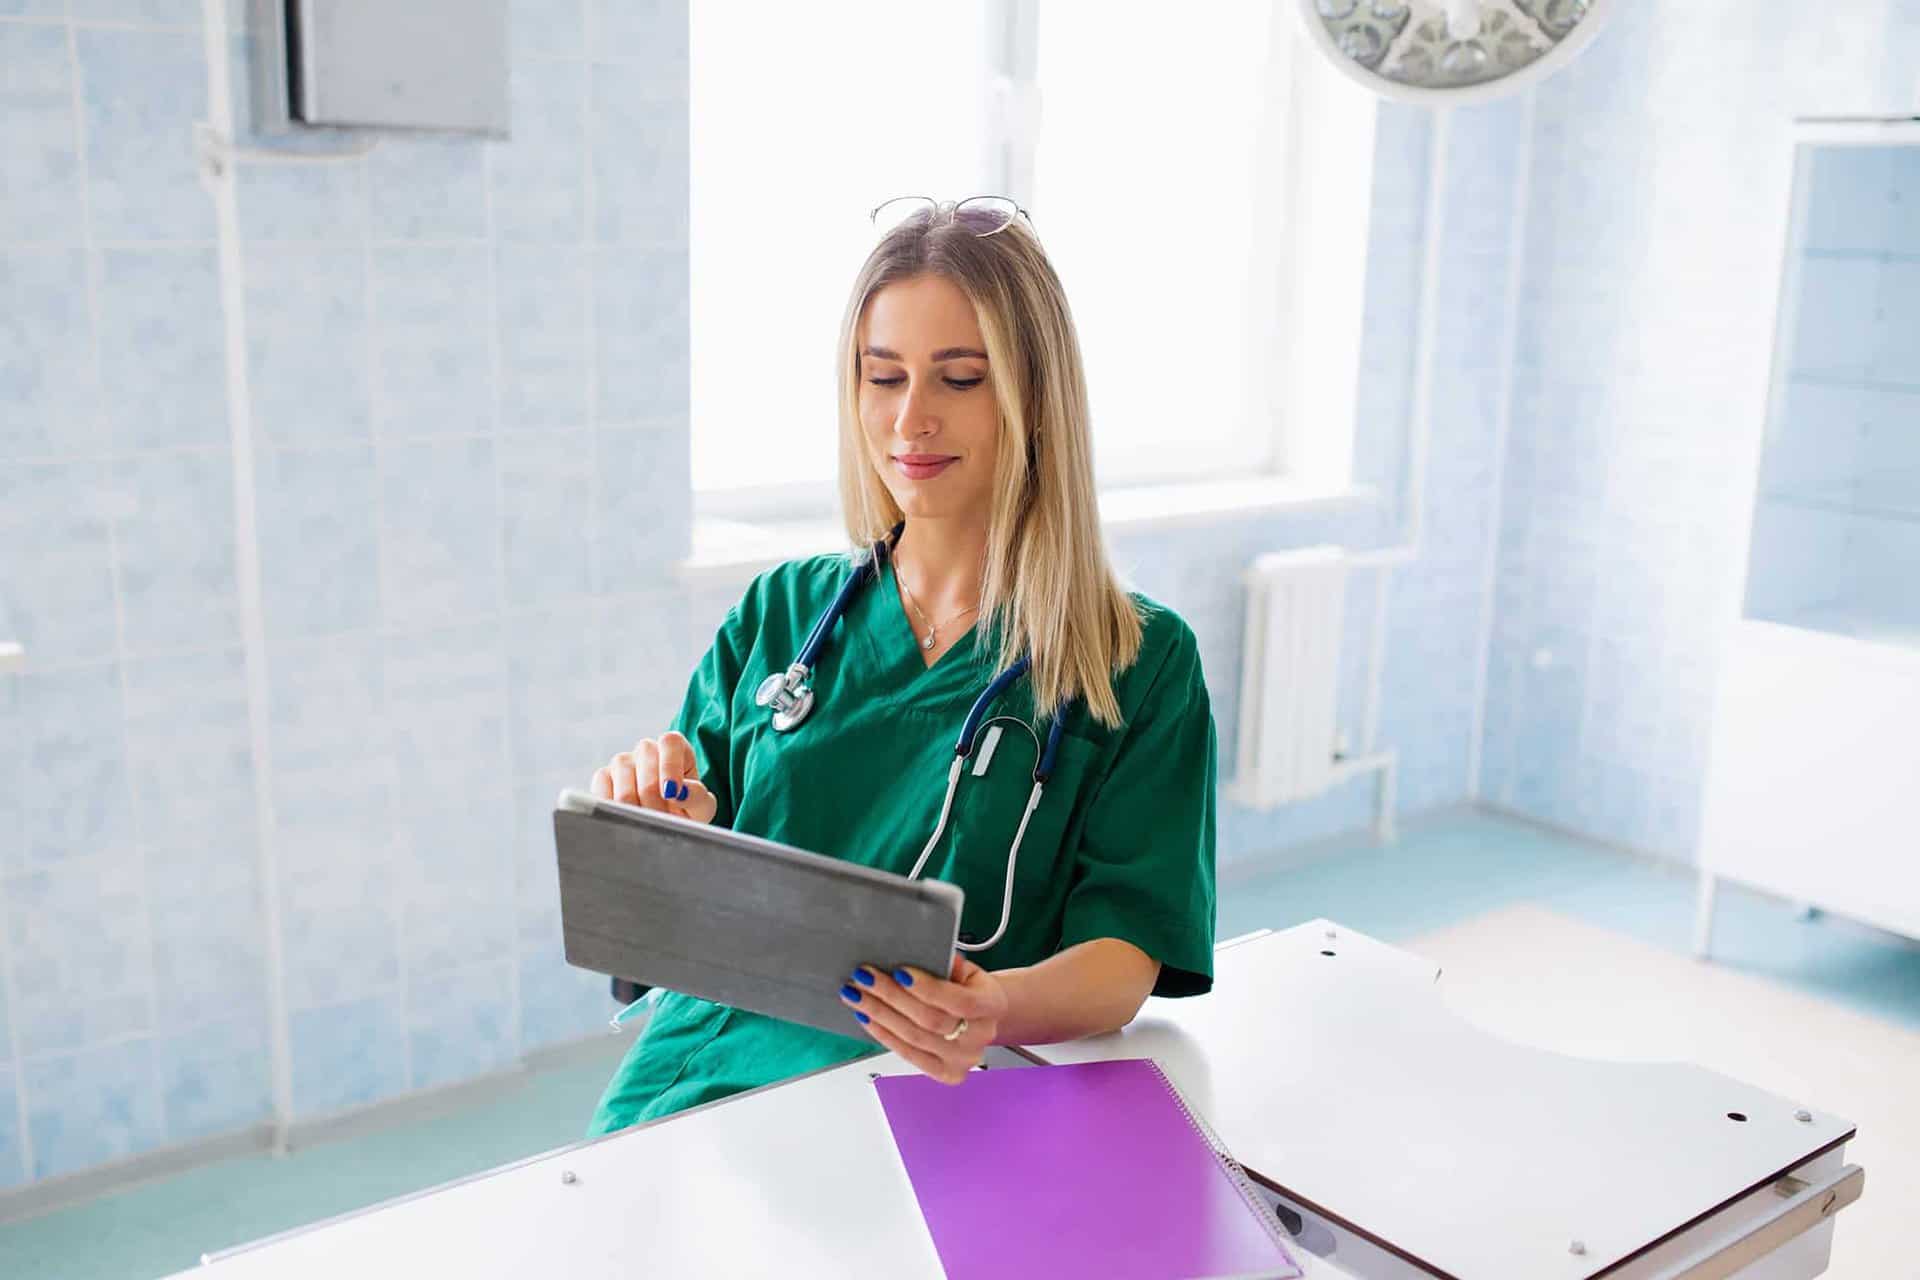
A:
1442	871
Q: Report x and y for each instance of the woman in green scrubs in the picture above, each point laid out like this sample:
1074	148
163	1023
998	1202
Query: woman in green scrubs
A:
964	419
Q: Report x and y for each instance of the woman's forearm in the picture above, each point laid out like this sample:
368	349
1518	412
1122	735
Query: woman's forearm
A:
1088	988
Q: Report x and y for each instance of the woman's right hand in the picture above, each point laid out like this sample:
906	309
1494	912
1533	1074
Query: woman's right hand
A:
659	773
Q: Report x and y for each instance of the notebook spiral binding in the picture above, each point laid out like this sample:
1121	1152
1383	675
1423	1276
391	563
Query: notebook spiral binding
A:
1242	1183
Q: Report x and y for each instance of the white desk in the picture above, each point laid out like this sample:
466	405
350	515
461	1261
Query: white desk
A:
800	1178
1423	1146
1413	1145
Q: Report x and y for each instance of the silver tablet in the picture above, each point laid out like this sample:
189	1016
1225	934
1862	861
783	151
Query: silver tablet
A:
734	918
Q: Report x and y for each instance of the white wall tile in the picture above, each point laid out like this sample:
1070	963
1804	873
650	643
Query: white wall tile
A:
140	89
46	356
90	1107
39	168
162	349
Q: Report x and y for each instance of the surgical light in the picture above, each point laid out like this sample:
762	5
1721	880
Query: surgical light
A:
1443	51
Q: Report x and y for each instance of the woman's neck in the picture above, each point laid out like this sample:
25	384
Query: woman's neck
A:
943	563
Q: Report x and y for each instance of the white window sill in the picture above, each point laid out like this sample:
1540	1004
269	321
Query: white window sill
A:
732	551
1144	508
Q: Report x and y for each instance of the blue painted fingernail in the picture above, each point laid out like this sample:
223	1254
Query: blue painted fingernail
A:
862	977
863	1017
674	791
902	977
850	994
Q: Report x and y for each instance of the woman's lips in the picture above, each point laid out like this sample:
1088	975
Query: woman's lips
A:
922	466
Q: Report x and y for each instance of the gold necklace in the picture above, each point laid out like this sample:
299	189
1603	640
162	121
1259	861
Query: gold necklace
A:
933	628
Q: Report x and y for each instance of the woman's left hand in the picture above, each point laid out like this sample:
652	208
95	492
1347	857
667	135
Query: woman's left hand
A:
912	1012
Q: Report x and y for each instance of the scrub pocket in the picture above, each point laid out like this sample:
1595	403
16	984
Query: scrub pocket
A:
987	813
680	1027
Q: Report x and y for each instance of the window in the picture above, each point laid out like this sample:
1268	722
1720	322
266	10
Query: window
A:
804	118
1153	168
1149	188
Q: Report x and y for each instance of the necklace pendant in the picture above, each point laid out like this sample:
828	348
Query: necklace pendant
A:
928	642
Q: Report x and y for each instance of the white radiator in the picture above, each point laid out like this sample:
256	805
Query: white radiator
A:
1289	675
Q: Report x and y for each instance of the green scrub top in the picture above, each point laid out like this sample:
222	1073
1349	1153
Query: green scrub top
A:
1122	845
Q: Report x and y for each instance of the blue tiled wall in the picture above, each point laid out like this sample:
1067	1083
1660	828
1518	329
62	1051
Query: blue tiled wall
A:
451	478
1662	164
466	366
467	389
133	957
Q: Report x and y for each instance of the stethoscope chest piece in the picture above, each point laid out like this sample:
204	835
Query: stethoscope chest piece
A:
791	697
789	694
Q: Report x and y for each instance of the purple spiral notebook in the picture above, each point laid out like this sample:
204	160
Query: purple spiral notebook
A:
1092	1169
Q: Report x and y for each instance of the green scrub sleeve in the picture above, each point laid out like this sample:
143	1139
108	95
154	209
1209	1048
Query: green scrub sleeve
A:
706	713
1143	871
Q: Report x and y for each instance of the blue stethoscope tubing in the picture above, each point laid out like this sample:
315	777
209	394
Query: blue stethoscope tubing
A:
791	697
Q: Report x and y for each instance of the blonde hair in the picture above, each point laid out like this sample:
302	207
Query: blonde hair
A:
1049	588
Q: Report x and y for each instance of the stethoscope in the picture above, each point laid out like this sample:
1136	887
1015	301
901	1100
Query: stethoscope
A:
791	697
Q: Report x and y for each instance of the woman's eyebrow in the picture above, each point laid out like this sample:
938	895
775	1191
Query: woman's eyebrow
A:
944	353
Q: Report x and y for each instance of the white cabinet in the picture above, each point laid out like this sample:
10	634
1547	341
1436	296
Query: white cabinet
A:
1813	791
1813	783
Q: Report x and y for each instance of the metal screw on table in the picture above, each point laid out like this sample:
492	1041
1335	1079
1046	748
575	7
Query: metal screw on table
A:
1803	1116
567	1178
1578	1247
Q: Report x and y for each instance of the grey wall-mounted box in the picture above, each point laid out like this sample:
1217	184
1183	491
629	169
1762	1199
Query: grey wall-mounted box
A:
398	64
